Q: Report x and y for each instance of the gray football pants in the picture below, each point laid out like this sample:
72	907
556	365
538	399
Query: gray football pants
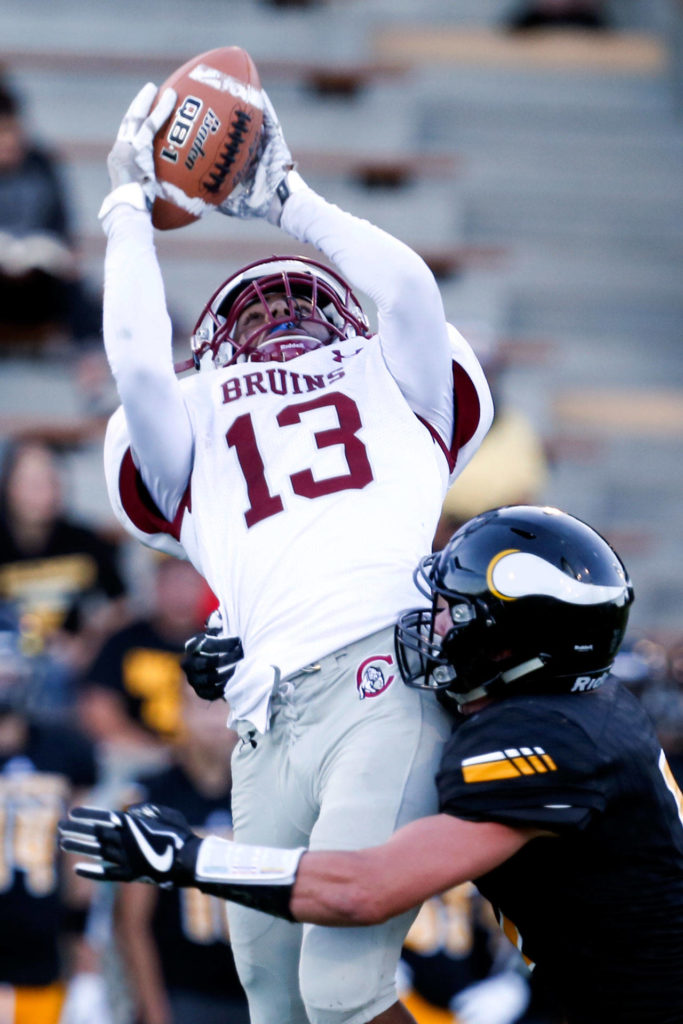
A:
350	756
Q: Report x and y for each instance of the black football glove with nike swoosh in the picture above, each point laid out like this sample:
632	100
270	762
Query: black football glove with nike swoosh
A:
144	843
147	843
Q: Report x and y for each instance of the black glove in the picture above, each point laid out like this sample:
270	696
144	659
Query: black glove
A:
209	663
146	843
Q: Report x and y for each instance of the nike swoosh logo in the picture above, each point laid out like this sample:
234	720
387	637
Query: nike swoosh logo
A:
161	862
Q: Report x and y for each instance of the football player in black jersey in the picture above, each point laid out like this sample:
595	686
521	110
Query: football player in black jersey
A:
175	943
45	765
555	796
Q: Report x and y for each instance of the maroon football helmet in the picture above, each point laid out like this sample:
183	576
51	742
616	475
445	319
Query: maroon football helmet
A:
315	307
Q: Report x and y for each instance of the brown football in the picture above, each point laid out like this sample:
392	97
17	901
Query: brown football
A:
207	144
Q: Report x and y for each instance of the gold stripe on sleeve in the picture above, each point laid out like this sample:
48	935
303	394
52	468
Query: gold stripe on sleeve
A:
489	771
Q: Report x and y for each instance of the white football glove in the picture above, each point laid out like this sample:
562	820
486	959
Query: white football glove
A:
501	999
264	192
87	999
131	160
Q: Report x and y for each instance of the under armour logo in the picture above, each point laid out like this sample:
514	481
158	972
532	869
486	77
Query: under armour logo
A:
338	356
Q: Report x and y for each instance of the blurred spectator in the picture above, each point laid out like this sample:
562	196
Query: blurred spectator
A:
129	699
510	467
43	768
457	967
654	672
672	734
41	290
589	14
175	943
61	576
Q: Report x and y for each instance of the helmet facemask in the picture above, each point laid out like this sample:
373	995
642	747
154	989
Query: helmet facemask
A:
319	309
460	660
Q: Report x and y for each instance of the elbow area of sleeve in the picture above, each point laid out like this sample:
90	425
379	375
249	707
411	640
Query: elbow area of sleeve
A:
136	378
413	290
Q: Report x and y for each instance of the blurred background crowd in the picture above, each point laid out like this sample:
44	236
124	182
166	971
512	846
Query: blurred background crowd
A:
531	152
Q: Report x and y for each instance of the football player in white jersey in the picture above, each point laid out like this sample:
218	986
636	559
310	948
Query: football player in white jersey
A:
302	471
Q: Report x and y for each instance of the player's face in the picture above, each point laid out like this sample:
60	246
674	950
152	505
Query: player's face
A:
34	493
12	146
443	620
286	320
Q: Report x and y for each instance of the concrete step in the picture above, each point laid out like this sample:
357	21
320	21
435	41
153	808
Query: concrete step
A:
503	102
129	28
633	497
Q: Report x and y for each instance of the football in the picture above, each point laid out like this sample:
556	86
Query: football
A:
208	143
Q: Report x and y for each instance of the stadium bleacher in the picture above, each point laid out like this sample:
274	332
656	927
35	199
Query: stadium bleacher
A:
540	178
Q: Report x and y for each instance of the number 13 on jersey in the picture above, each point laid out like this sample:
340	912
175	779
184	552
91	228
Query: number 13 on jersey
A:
242	438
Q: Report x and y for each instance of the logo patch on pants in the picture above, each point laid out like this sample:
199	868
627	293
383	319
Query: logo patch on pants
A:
374	675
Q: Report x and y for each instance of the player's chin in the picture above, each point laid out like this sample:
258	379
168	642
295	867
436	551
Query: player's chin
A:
284	348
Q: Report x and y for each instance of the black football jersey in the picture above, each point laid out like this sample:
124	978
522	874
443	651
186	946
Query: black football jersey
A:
144	668
190	927
36	786
56	583
450	945
598	906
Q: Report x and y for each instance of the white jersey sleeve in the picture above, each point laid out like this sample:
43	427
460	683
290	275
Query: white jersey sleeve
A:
137	339
412	325
130	498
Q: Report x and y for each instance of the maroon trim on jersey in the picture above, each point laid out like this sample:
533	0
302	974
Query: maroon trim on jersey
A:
139	505
467	409
467	413
436	436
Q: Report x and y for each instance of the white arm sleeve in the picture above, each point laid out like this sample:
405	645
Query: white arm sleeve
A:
411	320
137	340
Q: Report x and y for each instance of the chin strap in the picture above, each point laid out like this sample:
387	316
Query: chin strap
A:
186	364
512	674
260	877
524	669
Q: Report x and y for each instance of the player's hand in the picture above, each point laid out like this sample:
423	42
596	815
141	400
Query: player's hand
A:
210	662
257	195
131	158
146	843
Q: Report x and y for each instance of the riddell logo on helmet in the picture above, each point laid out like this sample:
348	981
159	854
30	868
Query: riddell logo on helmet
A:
370	676
583	683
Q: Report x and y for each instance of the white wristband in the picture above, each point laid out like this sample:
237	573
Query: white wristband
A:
222	861
129	195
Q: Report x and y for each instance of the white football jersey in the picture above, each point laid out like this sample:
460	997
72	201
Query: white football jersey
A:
314	492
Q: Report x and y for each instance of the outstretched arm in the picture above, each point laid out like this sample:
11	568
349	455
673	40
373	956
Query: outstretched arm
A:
352	888
412	325
422	859
137	327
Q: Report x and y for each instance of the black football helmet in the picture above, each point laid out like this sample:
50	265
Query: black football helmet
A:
539	603
332	313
